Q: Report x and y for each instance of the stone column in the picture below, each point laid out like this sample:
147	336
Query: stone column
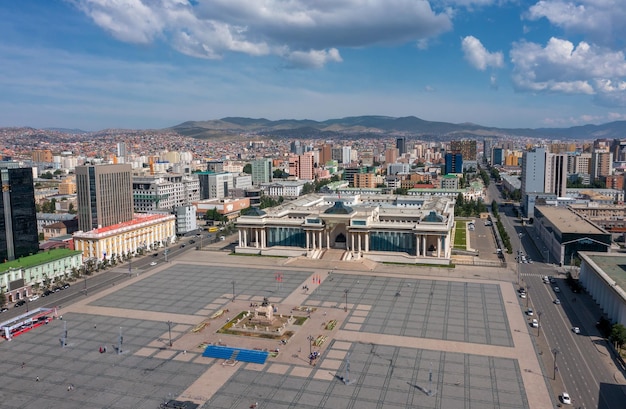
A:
320	240
240	238
313	240
424	248
352	240
439	247
360	248
263	238
417	245
367	242
306	234
327	239
256	238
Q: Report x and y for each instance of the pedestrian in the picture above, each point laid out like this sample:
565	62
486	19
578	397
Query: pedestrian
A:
23	363
37	379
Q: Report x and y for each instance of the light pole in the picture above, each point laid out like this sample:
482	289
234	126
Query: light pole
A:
527	295
346	293
169	327
555	351
85	277
233	290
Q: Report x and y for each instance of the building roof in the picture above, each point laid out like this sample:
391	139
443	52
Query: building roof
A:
567	221
38	259
339	208
611	264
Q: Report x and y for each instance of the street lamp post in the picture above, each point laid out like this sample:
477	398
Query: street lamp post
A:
234	290
527	295
555	351
85	279
310	338
346	293
169	328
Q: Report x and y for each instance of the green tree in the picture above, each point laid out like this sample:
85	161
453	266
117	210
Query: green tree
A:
71	209
3	298
247	168
618	335
401	191
46	175
279	174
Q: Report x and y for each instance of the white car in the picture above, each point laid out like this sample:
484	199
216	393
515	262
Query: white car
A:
534	323
33	298
576	330
566	399
154	263
557	290
557	301
530	312
522	295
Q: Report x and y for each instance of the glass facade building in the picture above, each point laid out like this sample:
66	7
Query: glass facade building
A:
18	216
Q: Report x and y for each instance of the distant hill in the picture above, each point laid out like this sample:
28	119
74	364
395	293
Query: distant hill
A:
376	126
64	130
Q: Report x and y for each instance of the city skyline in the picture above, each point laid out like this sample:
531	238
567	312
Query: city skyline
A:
96	64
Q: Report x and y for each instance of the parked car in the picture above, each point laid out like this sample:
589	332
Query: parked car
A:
576	330
522	295
4	309
530	312
154	263
557	290
47	293
65	286
33	298
557	301
20	303
192	241
534	323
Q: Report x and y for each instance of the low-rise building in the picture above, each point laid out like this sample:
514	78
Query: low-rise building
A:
22	277
144	231
378	227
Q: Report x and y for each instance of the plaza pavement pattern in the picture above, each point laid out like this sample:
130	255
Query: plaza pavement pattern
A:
412	337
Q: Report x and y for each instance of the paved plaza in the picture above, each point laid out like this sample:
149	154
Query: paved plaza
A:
409	339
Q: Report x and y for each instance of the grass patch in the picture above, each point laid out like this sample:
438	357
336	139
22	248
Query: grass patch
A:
460	235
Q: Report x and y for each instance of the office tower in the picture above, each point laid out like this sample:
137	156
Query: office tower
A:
401	145
367	158
121	151
497	156
601	164
296	148
454	163
326	154
220	185
487	148
337	154
261	171
533	170
391	155
216	166
104	194
346	155
42	156
467	148
556	174
165	192
302	166
18	217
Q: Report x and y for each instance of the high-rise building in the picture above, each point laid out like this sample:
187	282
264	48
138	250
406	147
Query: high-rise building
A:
261	171
216	166
165	192
556	174
533	171
466	147
302	166
18	217
220	185
104	195
454	163
346	155
401	145
497	156
391	155
42	156
601	164
296	148
326	154
121	151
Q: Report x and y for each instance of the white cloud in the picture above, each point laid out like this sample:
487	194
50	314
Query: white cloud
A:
564	68
478	56
313	58
602	21
300	30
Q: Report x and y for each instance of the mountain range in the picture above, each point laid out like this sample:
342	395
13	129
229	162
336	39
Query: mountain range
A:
377	126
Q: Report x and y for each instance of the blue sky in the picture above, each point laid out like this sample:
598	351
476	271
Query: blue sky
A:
95	64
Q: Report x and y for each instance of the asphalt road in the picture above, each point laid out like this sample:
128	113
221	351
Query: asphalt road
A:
584	371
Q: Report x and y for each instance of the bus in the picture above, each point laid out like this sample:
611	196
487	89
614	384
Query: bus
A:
212	229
